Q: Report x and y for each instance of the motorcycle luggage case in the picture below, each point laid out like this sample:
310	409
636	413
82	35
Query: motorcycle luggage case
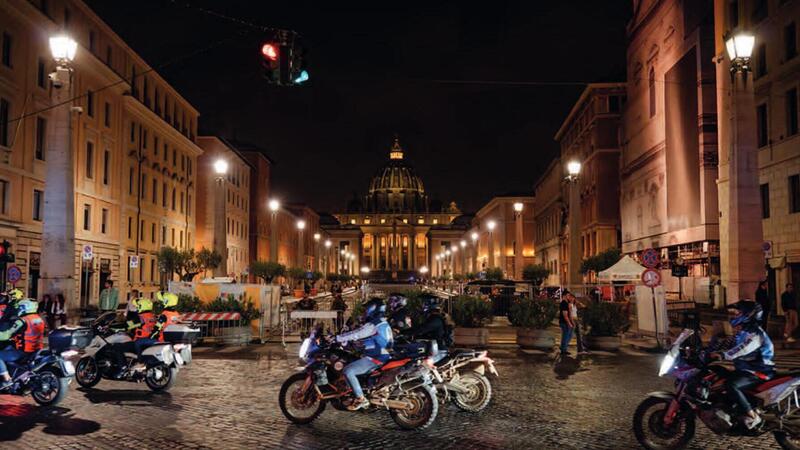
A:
181	334
66	337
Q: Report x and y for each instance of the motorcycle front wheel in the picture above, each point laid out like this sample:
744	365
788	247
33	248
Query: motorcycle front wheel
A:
298	405
50	388
422	413
87	372
160	378
649	428
478	395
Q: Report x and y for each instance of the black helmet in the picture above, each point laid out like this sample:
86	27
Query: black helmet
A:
374	309
430	303
749	313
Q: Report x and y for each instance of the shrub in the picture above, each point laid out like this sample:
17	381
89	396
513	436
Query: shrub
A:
229	303
605	319
495	273
471	312
267	270
535	273
533	313
188	303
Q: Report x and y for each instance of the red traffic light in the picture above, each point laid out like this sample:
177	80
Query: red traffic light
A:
270	51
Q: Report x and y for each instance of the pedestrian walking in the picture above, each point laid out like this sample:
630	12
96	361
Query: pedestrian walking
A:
109	297
789	305
762	298
565	322
340	306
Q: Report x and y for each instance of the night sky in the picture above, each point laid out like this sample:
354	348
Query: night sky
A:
476	92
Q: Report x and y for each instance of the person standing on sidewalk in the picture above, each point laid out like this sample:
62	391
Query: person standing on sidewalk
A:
789	305
573	312
109	297
762	298
565	322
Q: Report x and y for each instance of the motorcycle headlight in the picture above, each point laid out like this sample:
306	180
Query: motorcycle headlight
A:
666	365
304	348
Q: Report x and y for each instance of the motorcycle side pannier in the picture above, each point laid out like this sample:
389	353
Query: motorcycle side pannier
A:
181	334
65	338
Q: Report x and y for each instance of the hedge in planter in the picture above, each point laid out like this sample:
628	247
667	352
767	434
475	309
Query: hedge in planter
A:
533	317
471	315
605	322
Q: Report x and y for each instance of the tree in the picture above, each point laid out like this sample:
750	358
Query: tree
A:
601	261
494	274
296	274
169	260
208	260
267	270
535	273
187	263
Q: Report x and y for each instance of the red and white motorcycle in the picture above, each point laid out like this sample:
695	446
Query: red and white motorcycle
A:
666	420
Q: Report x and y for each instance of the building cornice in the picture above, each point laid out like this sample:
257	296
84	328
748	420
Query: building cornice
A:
138	110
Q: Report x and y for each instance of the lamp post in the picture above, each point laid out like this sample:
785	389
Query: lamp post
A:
301	260
58	229
741	231
490	225
463	245
474	236
573	178
317	238
220	242
518	247
274	206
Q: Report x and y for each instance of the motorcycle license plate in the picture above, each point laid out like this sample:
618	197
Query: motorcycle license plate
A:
69	368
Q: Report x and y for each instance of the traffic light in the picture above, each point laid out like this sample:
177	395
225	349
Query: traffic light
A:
270	60
284	61
5	255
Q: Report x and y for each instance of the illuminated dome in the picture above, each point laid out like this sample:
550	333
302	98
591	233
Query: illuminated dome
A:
395	187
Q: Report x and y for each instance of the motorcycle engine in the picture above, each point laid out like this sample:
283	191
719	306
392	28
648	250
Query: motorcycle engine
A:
716	419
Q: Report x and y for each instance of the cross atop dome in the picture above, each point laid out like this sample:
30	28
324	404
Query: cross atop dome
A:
396	152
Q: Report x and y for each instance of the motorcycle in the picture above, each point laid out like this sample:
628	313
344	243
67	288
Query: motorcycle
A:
46	374
666	420
464	380
156	364
402	386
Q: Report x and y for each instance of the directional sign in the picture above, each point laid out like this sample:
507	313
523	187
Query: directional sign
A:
650	258
651	278
88	252
134	261
13	274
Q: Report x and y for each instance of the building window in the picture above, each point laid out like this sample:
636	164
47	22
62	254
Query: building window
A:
163	235
143	186
152	269
153	232
155	145
761	124
760	10
189	205
652	91
41	136
141	230
130	181
761	60
87	217
791	112
181	237
172	231
794	194
155	191
164	195
104	221
89	160
130	227
107	115
790	41
106	164
166	152
182	203
764	201
133	131
4	109
144	138
90	103
38	200
7	47
174	157
173	199
3	197
40	74
109	53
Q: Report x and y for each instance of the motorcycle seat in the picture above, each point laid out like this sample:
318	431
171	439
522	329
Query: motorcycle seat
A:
779	379
393	364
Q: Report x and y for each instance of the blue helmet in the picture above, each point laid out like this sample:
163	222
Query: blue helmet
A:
749	313
374	309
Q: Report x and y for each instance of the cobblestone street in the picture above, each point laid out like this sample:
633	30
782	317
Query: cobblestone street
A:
232	403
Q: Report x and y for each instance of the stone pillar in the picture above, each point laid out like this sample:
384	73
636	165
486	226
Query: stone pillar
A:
574	274
490	249
412	250
741	234
58	230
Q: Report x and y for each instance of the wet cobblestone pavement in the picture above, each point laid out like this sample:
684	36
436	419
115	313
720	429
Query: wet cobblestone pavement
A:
232	403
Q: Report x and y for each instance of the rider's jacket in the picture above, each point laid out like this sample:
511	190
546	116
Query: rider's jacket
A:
27	332
376	336
752	352
400	319
432	328
167	317
148	323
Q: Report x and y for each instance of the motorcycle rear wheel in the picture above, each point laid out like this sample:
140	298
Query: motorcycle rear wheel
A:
479	395
58	388
87	372
787	441
654	408
426	407
164	382
295	382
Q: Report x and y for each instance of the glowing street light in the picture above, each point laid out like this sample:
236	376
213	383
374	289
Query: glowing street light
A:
328	243
740	49
463	243
220	167
423	270
573	169
63	49
474	236
317	237
518	206
491	225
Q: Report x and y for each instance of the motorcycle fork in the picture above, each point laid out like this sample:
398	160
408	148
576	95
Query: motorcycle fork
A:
674	406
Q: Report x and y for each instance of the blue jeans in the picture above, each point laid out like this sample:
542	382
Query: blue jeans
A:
566	336
9	354
355	368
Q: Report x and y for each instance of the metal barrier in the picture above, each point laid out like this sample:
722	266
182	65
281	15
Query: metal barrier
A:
294	322
676	311
224	327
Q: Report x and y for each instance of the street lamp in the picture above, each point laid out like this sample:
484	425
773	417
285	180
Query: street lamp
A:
518	207
490	225
301	257
518	257
573	172
220	167
739	47
58	227
573	169
274	205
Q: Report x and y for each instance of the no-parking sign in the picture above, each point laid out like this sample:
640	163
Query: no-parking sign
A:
650	258
13	274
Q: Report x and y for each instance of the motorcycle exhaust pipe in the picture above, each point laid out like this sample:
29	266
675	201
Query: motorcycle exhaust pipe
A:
392	404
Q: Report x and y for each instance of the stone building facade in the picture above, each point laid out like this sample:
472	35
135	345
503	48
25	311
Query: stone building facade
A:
550	219
133	146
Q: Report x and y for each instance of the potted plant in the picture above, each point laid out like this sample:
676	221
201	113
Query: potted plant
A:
533	317
297	274
605	322
239	332
471	315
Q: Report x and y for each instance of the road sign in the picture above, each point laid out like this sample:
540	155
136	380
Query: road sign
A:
766	247
13	274
651	278
134	261
88	252
650	258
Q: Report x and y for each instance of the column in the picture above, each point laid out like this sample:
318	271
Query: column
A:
490	245
519	259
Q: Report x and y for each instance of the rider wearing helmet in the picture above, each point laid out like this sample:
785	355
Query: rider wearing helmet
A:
399	319
169	315
28	329
751	354
376	338
9	300
141	318
434	327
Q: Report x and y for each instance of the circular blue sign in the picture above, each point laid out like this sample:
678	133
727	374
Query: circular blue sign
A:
13	274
